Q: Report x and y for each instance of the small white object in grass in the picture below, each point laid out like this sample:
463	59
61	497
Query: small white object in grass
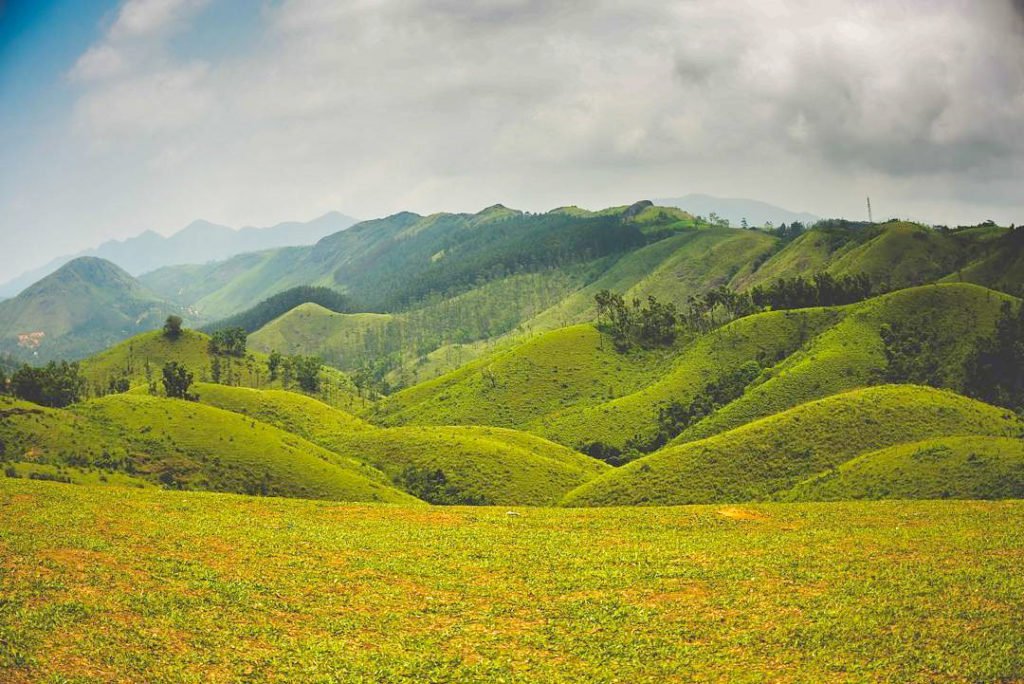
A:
514	513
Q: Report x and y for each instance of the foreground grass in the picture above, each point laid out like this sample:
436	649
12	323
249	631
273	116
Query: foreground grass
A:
108	584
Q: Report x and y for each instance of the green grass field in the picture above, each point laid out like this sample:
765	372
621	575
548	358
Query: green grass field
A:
111	584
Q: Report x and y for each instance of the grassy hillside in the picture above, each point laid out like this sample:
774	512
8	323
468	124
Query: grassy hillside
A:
153	349
343	338
1001	268
111	585
901	255
851	353
304	416
442	465
192	446
894	255
947	468
693	261
775	453
39	442
516	387
84	306
472	465
760	339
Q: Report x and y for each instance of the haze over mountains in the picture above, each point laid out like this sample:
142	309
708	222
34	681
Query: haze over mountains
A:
199	242
738	209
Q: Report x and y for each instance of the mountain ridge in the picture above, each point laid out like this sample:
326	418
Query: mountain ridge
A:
198	242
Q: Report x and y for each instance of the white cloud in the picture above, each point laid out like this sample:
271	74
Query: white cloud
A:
146	18
372	106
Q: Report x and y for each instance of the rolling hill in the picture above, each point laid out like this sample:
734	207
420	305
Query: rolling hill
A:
141	440
472	465
83	307
947	468
768	456
443	465
131	359
571	387
187	445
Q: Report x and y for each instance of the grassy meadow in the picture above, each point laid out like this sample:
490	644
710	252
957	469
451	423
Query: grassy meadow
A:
111	584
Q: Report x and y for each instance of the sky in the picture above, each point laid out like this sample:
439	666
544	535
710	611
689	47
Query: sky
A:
119	116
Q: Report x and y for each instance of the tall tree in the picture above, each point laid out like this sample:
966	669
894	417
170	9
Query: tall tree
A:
177	381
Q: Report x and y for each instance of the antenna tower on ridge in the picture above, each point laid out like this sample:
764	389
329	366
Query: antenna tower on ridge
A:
871	218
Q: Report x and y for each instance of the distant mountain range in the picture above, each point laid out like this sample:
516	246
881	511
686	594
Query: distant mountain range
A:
756	213
199	242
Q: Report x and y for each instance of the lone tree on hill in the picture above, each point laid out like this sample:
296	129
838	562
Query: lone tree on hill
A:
172	327
177	380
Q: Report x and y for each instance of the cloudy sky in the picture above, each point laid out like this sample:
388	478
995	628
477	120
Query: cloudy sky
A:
121	116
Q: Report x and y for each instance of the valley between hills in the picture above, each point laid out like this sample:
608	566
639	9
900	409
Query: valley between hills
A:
439	412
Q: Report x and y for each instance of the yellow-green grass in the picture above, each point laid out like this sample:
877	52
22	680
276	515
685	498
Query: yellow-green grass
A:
893	255
311	329
132	355
38	435
191	349
193	446
565	367
972	467
707	359
304	416
767	456
902	255
477	465
851	353
707	259
808	254
105	584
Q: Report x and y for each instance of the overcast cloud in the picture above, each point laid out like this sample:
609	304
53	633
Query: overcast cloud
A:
375	106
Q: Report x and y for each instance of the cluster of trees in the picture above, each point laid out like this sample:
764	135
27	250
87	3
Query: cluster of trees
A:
647	324
995	372
821	289
56	384
787	233
228	342
258	316
432	486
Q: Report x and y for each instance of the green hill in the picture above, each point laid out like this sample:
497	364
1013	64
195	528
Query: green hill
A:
762	458
191	446
84	306
947	468
45	443
467	465
147	353
516	387
1001	267
851	353
299	414
472	465
738	347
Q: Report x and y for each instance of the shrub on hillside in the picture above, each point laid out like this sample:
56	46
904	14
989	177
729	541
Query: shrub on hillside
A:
172	327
